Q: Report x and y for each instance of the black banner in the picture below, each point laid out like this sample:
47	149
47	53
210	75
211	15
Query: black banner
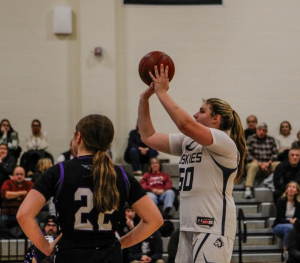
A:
173	2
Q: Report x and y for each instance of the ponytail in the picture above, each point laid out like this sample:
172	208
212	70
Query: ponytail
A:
106	195
238	136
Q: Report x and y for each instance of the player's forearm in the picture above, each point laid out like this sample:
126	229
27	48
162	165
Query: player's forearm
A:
144	120
138	234
33	232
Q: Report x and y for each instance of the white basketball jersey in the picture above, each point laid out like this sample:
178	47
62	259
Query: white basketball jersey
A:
206	182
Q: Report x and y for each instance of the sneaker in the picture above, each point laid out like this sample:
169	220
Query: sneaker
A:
248	193
137	173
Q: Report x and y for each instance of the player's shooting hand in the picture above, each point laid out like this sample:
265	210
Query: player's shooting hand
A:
161	80
148	92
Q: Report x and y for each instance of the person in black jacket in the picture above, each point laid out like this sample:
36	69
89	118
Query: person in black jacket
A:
7	165
149	250
137	152
293	243
288	211
285	172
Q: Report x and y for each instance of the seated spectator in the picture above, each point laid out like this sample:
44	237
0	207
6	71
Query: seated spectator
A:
293	243
149	250
42	165
13	192
296	144
261	156
50	232
138	153
287	212
37	142
251	126
7	165
284	140
159	186
68	155
129	221
10	137
285	172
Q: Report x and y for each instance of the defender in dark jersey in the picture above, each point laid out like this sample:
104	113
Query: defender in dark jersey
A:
89	192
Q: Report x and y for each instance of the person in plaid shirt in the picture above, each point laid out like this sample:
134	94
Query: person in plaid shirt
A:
261	157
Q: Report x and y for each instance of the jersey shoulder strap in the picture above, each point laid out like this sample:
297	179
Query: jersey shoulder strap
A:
126	180
61	181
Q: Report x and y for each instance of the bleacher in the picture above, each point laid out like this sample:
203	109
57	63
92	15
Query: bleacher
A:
261	245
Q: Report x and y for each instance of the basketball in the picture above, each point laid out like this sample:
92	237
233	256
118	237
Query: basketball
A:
152	59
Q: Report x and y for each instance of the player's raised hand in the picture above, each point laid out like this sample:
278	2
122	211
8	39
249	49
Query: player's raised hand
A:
161	80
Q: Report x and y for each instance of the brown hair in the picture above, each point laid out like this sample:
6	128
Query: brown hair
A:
297	197
43	164
97	133
230	121
159	162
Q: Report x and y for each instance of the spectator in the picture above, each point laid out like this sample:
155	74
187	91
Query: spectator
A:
129	221
296	144
50	232
138	153
284	140
285	172
149	250
13	192
10	137
7	165
65	156
293	243
42	165
261	156
251	124
287	212
37	140
159	186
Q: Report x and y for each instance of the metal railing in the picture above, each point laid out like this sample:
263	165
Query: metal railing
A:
13	242
242	232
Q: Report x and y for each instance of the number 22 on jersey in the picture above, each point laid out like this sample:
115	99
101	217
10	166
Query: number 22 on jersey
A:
103	219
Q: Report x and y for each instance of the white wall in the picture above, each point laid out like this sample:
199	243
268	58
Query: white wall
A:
245	52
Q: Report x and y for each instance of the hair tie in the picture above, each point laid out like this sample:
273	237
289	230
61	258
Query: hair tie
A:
233	112
101	149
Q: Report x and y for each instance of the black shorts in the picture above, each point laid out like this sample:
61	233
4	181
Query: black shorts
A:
110	254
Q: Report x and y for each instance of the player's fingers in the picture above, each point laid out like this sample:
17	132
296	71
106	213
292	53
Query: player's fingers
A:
151	76
156	71
162	71
56	240
167	71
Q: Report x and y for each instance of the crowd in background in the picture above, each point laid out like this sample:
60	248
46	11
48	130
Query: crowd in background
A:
271	161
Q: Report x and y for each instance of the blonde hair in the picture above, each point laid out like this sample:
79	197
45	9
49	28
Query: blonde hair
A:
97	132
297	197
43	164
230	122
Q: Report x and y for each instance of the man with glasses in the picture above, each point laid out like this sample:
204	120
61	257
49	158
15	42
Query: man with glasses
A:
50	231
251	124
13	192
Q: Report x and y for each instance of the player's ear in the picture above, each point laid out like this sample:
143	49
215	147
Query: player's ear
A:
216	118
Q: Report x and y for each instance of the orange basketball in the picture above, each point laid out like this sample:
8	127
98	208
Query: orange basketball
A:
152	59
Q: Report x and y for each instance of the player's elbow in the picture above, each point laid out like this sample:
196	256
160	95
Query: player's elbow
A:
21	216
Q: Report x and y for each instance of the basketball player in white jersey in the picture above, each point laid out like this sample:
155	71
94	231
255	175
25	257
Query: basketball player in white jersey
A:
212	149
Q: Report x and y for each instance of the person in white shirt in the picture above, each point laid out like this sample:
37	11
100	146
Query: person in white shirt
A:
212	148
284	140
37	140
